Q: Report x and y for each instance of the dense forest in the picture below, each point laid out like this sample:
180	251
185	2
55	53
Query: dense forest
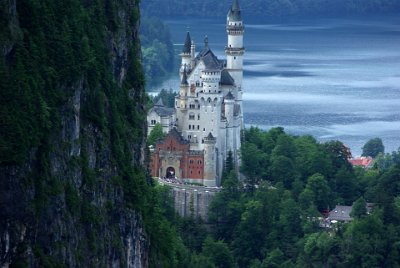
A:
157	50
73	185
273	218
271	8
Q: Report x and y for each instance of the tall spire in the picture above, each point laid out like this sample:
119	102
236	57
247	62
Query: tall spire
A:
188	44
234	13
235	5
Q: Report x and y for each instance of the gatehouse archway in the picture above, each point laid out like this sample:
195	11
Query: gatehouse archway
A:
170	174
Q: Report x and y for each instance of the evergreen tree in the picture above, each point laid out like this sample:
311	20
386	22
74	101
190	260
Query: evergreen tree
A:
373	148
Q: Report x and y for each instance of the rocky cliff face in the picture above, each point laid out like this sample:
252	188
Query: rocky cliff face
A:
73	198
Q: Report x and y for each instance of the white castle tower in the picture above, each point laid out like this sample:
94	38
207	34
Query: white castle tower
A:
235	50
208	109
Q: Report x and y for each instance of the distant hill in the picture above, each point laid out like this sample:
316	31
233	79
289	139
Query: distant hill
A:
271	8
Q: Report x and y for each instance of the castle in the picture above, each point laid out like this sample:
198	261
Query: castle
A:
205	125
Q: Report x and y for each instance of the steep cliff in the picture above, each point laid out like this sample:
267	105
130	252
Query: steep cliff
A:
72	184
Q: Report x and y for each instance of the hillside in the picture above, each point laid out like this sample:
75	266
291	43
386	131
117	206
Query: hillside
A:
73	191
271	9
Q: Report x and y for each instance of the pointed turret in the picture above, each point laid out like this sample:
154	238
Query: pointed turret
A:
159	103
188	43
186	54
234	13
235	49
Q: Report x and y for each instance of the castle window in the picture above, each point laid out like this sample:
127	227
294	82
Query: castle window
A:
204	129
189	137
190	127
199	162
234	58
191	161
191	172
191	116
198	127
198	116
153	122
199	172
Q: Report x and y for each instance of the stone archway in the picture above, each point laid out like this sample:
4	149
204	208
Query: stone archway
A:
170	173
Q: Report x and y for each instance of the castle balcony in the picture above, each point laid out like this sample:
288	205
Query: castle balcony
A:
235	28
196	153
170	153
233	51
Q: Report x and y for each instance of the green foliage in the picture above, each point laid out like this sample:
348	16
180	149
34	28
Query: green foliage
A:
157	50
219	253
155	134
373	148
359	209
277	224
167	97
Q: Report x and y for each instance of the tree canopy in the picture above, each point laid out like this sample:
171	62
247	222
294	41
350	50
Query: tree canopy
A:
373	147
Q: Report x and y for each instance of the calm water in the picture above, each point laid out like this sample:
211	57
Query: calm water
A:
333	79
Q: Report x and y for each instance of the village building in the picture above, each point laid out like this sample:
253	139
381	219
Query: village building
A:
364	162
208	111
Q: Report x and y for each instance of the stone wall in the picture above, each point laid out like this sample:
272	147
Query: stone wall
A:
192	201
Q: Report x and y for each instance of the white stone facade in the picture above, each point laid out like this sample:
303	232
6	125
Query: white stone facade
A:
209	105
162	115
210	99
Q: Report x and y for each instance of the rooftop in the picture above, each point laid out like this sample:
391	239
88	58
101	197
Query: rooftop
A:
364	162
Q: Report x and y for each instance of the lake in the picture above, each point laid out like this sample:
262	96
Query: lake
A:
330	78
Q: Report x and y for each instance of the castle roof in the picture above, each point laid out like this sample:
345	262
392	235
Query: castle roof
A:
161	110
159	103
229	96
211	61
210	136
226	78
234	13
177	136
188	44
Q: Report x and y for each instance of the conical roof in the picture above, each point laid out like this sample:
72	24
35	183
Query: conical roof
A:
210	136
234	13
229	96
159	103
188	44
